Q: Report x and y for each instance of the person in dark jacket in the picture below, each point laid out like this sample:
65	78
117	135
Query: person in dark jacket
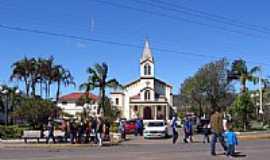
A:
80	132
139	127
50	131
73	132
188	130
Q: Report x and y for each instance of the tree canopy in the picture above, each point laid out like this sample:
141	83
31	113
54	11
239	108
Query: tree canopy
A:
208	88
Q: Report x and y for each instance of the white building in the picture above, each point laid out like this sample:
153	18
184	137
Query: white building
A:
70	103
146	97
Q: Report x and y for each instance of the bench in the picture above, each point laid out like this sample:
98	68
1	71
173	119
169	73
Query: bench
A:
31	134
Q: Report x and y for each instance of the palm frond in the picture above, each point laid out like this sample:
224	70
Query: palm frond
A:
113	83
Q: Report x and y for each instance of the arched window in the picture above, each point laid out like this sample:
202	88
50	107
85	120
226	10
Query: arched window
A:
147	95
147	69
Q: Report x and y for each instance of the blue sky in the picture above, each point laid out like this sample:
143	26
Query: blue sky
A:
87	18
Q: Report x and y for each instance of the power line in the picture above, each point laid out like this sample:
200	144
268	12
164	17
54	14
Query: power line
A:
200	15
63	35
214	17
177	18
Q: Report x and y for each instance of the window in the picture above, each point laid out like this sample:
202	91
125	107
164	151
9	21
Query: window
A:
117	101
147	95
64	103
147	69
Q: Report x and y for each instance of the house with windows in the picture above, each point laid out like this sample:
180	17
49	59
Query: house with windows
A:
147	97
71	103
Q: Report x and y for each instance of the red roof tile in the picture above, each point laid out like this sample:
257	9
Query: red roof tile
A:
138	96
76	96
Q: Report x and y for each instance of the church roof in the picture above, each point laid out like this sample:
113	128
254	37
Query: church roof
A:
147	52
76	96
156	79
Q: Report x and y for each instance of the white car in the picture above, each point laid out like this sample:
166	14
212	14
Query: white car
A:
156	129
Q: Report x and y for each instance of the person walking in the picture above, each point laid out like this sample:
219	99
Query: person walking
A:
139	127
50	131
107	127
174	129
73	132
87	131
122	129
80	132
188	130
231	141
206	133
100	129
65	129
217	130
93	134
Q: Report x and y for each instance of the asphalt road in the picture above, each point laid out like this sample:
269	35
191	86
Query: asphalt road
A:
136	149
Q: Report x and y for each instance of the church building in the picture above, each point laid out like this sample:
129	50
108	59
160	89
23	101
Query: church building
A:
147	97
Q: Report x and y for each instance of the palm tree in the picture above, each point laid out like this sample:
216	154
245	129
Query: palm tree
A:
97	78
62	75
240	72
21	71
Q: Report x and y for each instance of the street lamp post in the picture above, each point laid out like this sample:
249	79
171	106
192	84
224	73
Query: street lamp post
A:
5	93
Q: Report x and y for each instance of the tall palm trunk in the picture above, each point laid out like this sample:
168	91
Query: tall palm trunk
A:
102	99
27	87
58	90
33	87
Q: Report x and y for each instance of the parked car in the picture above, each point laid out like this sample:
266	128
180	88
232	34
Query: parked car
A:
130	126
156	129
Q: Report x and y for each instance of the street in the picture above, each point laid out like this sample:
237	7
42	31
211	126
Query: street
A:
135	148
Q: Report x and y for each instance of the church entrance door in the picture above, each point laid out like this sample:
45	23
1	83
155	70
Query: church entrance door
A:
147	113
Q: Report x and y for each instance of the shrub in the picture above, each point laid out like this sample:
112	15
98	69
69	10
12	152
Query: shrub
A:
9	132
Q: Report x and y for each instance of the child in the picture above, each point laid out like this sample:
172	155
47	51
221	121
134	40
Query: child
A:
231	141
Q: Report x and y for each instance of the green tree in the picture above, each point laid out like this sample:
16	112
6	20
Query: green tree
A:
209	86
35	111
242	110
97	78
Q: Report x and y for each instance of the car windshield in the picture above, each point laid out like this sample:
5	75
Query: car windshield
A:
155	124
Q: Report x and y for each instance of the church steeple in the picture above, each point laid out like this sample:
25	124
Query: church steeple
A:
147	61
147	52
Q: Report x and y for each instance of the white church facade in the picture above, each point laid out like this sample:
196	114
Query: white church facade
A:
147	97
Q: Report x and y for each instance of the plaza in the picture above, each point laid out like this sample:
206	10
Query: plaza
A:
135	148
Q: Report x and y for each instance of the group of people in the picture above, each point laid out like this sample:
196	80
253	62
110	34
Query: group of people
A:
95	130
219	128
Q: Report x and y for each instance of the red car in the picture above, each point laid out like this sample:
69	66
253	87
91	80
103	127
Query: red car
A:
130	126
